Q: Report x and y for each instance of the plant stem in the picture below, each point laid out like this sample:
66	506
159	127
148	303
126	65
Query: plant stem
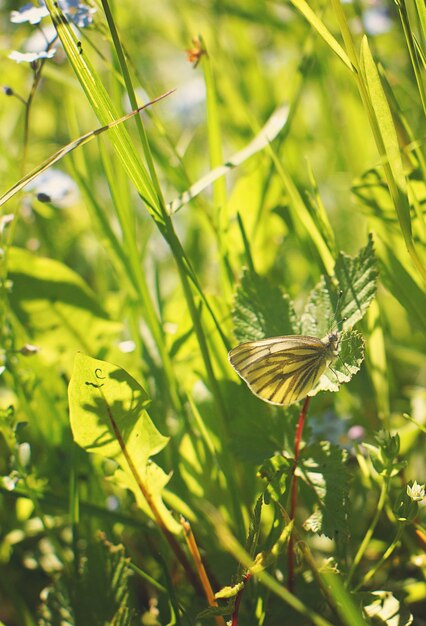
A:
297	442
185	274
170	538
398	195
195	553
371	572
246	578
370	531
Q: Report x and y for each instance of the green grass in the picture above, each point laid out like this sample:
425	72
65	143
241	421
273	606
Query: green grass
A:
287	165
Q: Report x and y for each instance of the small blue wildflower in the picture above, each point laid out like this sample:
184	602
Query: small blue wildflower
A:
54	186
29	13
5	220
79	13
42	37
30	57
76	11
336	430
188	107
377	21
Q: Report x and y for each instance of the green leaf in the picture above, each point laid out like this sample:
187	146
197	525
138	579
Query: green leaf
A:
103	106
317	321
317	317
357	279
229	592
8	427
108	417
267	134
156	480
98	596
254	526
212	611
383	116
343	602
258	429
55	306
76	143
401	284
322	30
266	558
377	360
375	200
323	468
421	11
276	471
261	310
346	365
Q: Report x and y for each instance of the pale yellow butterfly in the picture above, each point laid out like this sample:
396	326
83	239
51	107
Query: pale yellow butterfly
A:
283	370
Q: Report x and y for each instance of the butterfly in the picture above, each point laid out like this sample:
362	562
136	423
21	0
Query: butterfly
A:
283	370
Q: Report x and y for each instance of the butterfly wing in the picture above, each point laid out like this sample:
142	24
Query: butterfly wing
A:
281	370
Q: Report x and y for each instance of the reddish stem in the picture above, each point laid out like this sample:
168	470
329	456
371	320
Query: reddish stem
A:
246	578
297	442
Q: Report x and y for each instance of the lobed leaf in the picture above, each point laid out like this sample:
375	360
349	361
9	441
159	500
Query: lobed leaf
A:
357	280
323	468
261	310
317	317
348	363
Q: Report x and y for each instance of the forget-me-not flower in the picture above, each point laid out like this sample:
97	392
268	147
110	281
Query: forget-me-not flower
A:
77	12
30	57
54	186
29	13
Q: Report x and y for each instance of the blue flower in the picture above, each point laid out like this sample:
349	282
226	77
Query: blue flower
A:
76	11
29	13
42	38
377	21
54	186
30	57
337	431
79	13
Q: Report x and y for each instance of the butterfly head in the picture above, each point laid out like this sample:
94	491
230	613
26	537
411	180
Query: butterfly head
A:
332	342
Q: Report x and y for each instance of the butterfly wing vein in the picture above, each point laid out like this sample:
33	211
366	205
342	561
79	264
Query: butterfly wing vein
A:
281	370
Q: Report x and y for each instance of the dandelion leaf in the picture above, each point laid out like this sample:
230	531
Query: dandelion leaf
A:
55	307
108	417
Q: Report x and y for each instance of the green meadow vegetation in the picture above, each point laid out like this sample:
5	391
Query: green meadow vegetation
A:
179	178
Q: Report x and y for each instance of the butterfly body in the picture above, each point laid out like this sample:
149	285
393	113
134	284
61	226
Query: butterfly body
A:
283	370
